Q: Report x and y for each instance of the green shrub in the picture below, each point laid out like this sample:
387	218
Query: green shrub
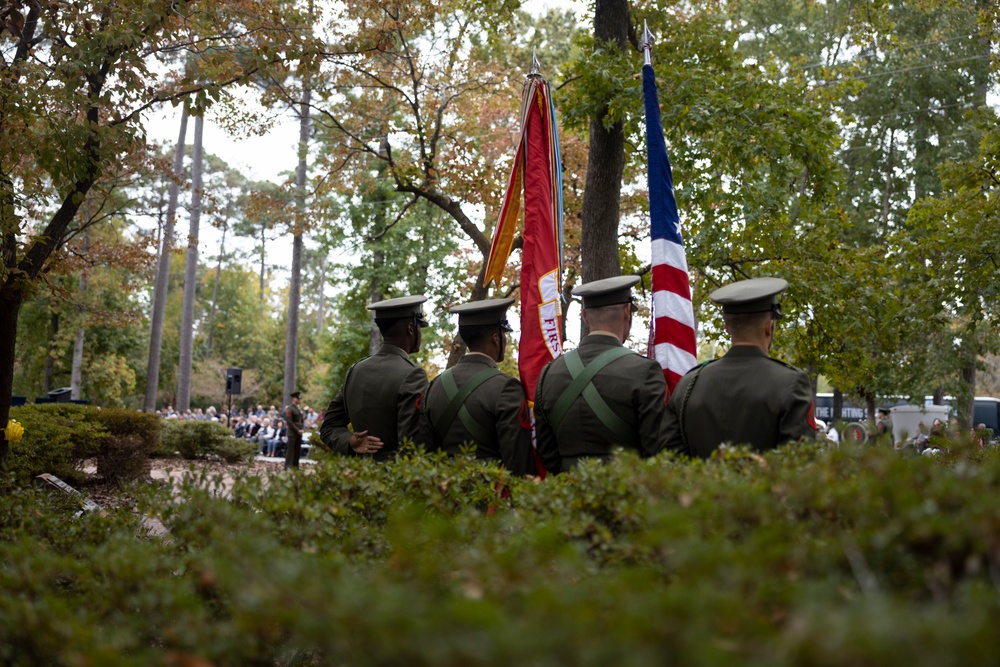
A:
123	459
134	437
145	425
234	450
196	438
57	437
801	556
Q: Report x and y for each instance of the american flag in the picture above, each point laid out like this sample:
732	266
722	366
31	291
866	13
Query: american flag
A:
673	339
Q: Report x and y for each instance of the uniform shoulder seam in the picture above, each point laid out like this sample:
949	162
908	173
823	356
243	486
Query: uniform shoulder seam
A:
700	365
786	365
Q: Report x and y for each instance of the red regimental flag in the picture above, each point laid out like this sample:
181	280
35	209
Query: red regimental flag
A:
541	312
537	169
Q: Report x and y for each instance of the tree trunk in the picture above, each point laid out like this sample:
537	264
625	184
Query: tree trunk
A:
375	295
295	281
321	305
600	212
938	396
10	305
190	275
838	405
163	276
76	374
263	251
967	404
215	292
886	194
50	352
605	165
479	292
11	297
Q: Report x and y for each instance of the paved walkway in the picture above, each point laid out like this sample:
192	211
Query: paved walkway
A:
174	471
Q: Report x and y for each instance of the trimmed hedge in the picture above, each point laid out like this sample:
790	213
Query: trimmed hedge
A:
134	438
802	556
194	439
57	437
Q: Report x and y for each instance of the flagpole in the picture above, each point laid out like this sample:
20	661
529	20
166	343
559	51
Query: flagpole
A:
536	67
646	44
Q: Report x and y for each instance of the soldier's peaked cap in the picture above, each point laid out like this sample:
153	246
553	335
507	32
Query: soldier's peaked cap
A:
402	306
607	292
750	296
486	311
295	394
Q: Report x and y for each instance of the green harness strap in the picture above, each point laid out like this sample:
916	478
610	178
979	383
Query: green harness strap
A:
456	404
581	384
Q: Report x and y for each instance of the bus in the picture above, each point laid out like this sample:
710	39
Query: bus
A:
852	412
986	409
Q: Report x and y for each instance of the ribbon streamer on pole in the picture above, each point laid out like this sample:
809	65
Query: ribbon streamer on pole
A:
537	172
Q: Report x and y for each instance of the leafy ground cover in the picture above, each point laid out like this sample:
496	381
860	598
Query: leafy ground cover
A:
804	556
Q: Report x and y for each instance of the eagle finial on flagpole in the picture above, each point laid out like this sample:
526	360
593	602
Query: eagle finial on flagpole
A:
535	66
646	44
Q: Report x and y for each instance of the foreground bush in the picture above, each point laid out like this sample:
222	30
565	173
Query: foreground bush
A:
802	556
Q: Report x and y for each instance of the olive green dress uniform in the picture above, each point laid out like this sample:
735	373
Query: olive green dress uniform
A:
296	425
632	386
746	397
498	407
380	394
494	414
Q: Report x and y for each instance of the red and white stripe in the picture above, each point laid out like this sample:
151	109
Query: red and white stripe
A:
674	339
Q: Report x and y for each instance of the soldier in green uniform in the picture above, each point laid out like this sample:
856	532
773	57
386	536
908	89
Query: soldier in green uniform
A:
379	398
475	402
602	394
746	397
295	421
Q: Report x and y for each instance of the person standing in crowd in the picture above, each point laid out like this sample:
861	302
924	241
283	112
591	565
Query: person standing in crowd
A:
295	422
746	397
275	443
379	397
832	434
475	402
602	394
311	418
239	427
883	427
264	435
251	431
